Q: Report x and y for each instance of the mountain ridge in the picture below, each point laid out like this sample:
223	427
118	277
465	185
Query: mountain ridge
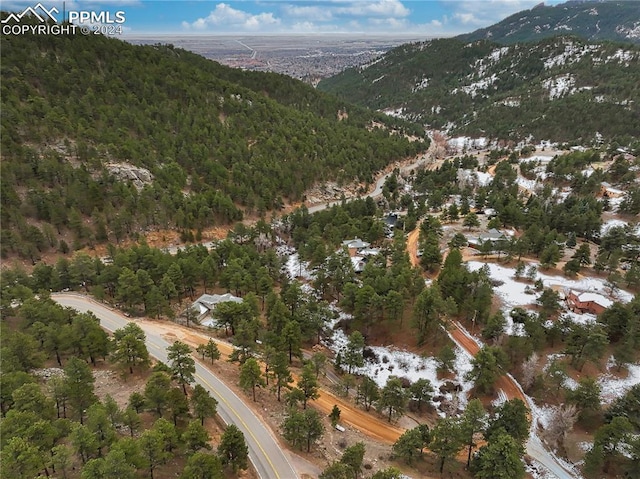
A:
192	144
591	20
482	88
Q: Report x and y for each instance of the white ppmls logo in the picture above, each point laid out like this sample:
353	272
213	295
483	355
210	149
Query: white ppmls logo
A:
90	22
16	17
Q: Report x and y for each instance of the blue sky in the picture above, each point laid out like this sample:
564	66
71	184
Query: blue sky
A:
375	17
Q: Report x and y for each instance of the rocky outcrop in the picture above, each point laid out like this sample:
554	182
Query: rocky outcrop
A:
126	172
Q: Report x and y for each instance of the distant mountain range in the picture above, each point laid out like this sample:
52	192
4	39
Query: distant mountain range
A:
591	20
561	88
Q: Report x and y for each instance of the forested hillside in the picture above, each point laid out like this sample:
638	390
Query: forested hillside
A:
591	20
102	139
508	92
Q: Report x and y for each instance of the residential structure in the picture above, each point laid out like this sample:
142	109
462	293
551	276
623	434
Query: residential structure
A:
208	302
608	191
587	302
355	245
493	236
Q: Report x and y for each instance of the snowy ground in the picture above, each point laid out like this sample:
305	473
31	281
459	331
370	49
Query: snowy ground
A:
294	267
618	223
613	387
392	361
515	293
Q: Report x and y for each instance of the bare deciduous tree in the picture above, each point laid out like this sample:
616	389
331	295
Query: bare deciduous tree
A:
529	368
561	422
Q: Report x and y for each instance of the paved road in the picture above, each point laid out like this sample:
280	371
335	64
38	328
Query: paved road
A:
264	451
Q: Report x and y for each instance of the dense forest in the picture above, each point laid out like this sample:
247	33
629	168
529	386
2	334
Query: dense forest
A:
516	92
204	143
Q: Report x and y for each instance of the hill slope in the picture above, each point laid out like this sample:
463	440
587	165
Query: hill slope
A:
201	142
590	20
560	89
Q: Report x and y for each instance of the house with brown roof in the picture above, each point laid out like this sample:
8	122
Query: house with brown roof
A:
587	302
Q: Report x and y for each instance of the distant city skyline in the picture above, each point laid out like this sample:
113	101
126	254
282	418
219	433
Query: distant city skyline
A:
260	17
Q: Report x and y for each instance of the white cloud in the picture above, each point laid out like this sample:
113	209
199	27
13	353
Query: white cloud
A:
230	19
382	8
467	19
308	13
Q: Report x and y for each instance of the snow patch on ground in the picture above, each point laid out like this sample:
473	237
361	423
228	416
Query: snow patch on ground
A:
484	179
560	86
393	361
513	293
572	53
395	112
474	88
538	471
462	142
621	56
511	102
294	267
529	185
614	387
421	85
586	318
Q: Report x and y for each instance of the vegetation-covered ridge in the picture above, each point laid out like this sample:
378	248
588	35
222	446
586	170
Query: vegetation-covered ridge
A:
214	142
591	20
505	92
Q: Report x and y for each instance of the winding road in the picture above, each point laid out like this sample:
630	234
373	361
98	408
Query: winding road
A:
266	454
506	383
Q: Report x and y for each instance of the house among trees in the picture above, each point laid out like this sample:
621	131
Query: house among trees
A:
208	302
608	191
391	220
493	236
355	246
587	302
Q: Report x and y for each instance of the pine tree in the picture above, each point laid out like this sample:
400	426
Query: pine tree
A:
251	376
308	384
183	366
232	448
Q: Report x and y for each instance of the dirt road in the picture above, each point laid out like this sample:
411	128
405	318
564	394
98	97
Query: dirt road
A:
412	246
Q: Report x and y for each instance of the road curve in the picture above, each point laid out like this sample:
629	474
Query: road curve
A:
512	389
265	453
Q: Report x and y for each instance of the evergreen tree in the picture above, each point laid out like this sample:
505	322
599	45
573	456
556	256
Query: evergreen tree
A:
410	445
232	449
195	437
203	466
488	365
446	440
183	366
393	399
499	459
511	418
473	422
203	404
79	386
156	392
251	376
308	384
368	392
352	356
281	372
152	450
129	348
